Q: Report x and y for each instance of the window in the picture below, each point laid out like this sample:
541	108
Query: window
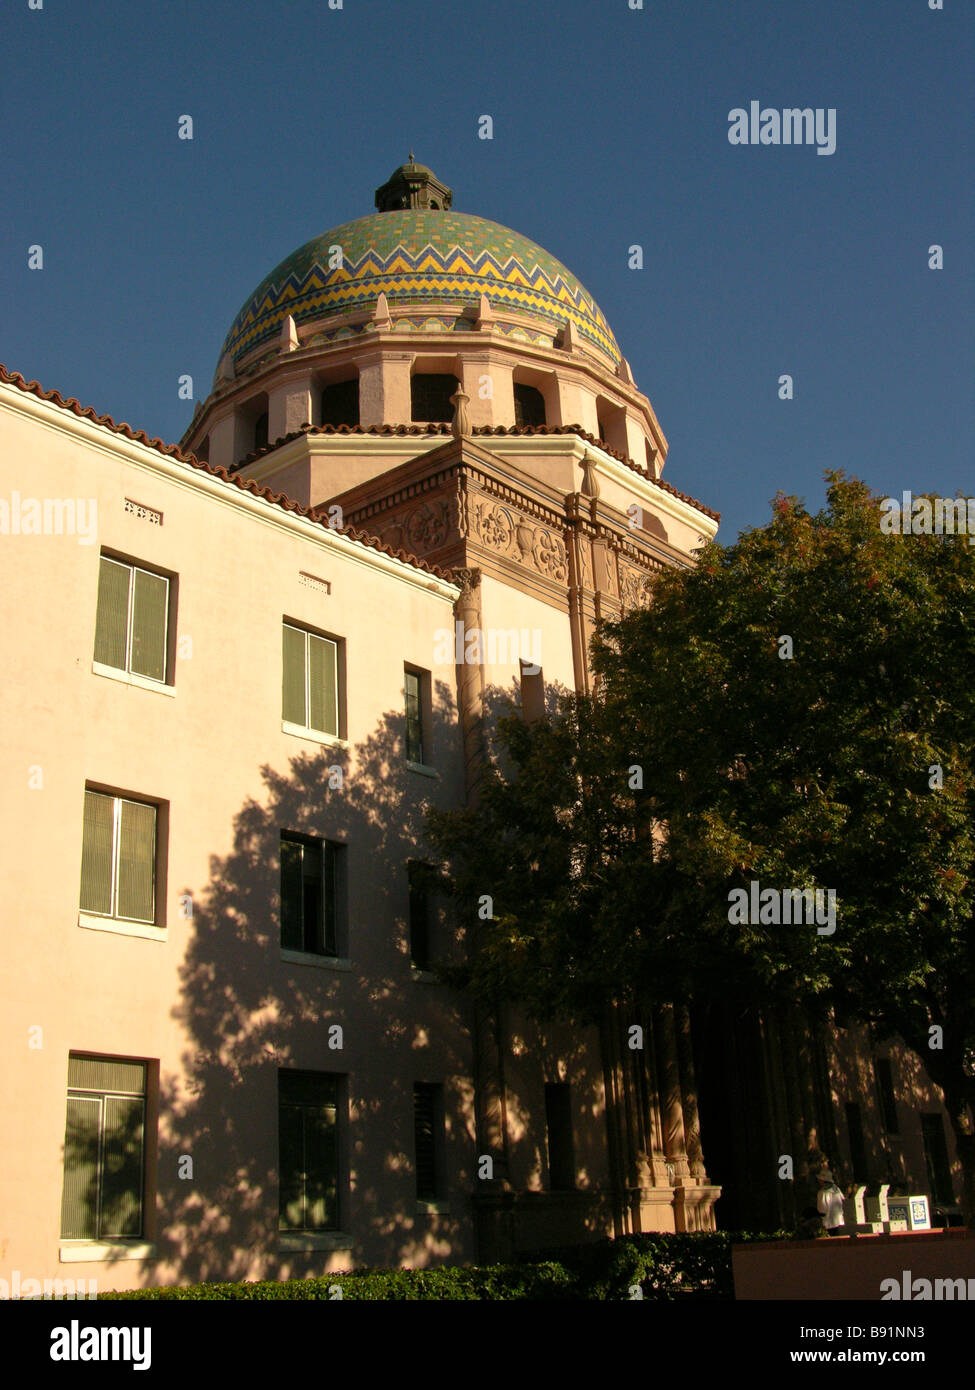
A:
417	694
420	914
885	1089
308	1151
858	1151
529	405
118	858
532	691
131	627
611	426
102	1195
340	403
310	690
936	1159
430	395
428	1141
558	1122
308	894
260	432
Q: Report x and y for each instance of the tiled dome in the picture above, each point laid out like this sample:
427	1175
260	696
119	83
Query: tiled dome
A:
419	258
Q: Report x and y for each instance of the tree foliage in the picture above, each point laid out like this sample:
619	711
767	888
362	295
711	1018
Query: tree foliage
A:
840	759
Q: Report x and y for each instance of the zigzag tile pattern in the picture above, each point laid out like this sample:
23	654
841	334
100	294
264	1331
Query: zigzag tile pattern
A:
418	258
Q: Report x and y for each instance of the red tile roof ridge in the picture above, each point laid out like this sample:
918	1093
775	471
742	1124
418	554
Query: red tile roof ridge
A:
279	499
484	430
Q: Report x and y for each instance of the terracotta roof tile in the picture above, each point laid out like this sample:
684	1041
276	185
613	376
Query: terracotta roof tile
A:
482	430
34	388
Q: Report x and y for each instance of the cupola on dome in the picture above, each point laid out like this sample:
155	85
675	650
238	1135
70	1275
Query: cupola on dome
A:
423	256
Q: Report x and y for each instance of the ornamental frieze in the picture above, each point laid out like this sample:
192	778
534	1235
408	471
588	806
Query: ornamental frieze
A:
549	556
427	527
605	567
513	535
634	587
419	530
493	525
583	573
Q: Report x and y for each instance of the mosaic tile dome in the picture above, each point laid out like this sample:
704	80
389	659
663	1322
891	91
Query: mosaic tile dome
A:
419	258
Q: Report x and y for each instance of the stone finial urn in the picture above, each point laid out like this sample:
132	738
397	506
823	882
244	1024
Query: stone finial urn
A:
460	425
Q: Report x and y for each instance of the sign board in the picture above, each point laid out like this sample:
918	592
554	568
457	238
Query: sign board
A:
913	1211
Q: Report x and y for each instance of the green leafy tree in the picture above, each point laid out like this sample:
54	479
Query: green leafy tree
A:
796	711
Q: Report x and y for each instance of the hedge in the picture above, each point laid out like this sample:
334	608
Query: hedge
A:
528	1281
662	1266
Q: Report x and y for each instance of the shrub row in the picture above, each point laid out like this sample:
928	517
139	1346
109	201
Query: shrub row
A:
663	1266
523	1281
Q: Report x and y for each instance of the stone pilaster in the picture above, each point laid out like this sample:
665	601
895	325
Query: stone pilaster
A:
671	1101
470	683
688	1089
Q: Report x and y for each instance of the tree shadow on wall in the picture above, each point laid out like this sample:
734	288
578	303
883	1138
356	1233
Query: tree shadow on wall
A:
250	1013
246	1013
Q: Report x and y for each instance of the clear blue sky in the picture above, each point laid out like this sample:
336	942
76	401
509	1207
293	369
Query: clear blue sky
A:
610	129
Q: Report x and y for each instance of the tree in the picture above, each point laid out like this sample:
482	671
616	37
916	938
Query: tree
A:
801	707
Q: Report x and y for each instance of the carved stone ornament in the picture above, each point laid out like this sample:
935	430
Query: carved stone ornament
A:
590	483
426	527
583	571
550	557
460	425
634	587
609	564
494	526
469	579
460	513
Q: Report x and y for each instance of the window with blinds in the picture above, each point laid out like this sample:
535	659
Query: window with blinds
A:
428	1127
131	627
118	858
310	681
309	894
102	1196
308	1151
415	689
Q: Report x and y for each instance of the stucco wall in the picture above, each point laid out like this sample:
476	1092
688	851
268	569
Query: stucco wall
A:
211	999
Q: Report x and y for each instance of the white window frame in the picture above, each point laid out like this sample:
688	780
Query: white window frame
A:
324	734
101	1098
116	841
153	574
